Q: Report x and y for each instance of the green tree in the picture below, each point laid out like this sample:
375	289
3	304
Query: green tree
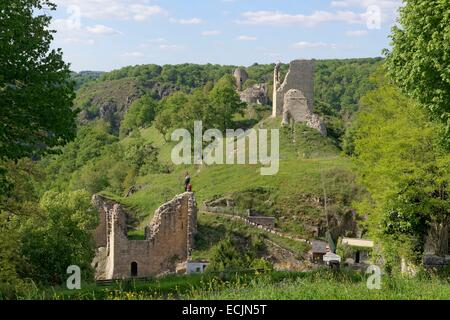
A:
225	257
36	93
420	56
405	169
141	112
59	234
225	103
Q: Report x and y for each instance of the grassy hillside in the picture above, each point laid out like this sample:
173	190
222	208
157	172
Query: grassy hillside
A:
311	168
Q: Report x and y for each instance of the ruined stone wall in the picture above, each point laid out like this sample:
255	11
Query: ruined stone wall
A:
296	108
168	239
301	77
256	94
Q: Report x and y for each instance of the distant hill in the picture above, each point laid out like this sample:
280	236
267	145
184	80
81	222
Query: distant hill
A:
83	77
338	86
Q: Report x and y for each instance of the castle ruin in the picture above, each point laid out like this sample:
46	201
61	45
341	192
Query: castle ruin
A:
241	76
293	99
168	239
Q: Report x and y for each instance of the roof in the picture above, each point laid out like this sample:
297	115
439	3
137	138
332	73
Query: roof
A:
358	242
318	246
331	257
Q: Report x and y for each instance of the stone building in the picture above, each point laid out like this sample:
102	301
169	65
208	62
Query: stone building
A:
241	76
293	99
168	239
256	94
318	250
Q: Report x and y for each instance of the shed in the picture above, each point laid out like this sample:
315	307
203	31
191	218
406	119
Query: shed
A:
196	267
362	247
318	250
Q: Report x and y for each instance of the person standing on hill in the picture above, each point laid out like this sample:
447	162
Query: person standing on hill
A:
187	181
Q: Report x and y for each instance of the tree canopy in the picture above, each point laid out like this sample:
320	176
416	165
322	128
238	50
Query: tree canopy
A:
420	57
36	93
405	169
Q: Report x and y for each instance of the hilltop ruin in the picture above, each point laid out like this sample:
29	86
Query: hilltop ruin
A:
293	99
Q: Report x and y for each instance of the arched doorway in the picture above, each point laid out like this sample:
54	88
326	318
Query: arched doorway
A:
134	269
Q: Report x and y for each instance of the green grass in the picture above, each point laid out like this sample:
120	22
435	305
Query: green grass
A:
315	285
326	286
307	163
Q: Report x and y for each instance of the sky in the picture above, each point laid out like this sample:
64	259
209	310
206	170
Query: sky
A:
103	35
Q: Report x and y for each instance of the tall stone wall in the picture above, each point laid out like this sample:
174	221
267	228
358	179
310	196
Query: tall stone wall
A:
301	77
168	239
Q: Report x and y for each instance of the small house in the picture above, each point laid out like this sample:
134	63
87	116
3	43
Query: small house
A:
318	250
359	249
196	267
260	219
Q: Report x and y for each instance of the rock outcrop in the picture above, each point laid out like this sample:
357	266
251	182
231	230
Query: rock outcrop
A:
168	239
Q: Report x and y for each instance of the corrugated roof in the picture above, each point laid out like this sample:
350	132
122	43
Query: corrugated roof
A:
358	242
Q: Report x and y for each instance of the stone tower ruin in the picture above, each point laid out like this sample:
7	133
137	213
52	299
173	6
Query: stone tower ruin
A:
241	76
293	99
168	239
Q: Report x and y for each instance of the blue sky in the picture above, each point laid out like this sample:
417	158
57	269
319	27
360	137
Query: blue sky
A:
108	34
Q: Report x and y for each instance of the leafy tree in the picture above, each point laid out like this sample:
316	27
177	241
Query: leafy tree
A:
141	112
225	103
142	156
249	83
405	169
420	56
10	259
58	234
36	93
225	257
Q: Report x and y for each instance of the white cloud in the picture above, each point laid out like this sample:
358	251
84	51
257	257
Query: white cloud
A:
79	41
247	38
280	18
357	33
133	54
187	21
310	45
157	40
100	29
170	47
383	4
138	10
70	32
352	12
208	33
387	8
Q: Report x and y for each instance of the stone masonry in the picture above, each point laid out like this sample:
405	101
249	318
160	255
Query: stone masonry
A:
241	76
256	94
294	98
168	239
